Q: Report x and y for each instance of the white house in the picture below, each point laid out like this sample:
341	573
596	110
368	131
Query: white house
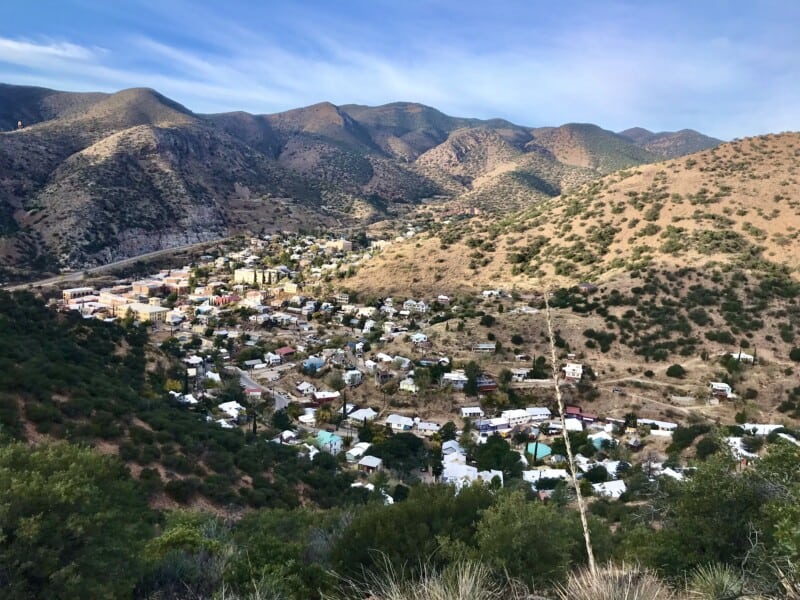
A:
399	422
232	409
516	416
460	475
573	372
272	359
535	475
427	428
519	375
408	385
362	414
452	448
456	379
419	338
370	464
305	388
658	425
571	423
353	377
720	389
743	357
325	396
610	489
538	413
471	412
357	451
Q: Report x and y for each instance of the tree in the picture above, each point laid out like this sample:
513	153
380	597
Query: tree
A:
487	320
336	381
72	523
511	536
448	431
497	454
504	379
794	354
472	370
676	371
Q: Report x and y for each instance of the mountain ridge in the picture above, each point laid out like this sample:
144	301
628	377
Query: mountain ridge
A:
93	177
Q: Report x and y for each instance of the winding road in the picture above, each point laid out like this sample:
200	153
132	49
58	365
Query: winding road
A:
79	275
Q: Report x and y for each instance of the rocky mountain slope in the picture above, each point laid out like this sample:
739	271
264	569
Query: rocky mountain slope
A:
733	205
95	177
670	144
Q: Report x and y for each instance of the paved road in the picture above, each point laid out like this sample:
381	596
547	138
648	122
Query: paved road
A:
79	275
280	399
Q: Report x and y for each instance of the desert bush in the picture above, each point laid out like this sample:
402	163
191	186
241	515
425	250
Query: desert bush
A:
612	582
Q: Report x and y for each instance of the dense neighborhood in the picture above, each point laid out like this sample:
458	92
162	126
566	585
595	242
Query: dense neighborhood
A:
368	379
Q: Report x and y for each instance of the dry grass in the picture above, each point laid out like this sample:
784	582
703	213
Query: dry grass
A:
461	581
612	582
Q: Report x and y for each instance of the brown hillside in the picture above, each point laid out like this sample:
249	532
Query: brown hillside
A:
735	204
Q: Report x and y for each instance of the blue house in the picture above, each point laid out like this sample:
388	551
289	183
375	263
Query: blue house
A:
329	442
313	363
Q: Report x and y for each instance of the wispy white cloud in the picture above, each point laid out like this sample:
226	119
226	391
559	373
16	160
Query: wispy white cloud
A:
612	72
43	53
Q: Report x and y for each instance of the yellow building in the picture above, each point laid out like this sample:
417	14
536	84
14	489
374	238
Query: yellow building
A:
146	312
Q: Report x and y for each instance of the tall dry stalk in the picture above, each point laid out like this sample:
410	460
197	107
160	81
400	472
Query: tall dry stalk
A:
573	470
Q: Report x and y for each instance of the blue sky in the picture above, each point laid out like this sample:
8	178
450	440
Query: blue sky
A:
726	68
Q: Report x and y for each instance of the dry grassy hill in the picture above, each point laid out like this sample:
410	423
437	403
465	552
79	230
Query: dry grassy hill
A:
737	205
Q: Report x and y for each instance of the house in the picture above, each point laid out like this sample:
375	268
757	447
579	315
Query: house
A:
272	359
414	306
357	451
329	442
313	363
305	388
233	409
760	429
471	412
572	424
535	475
519	375
419	338
361	416
408	385
254	364
399	422
486	384
587	288
721	390
485	348
456	380
658	425
285	352
451	447
353	377
403	363
517	416
321	397
427	429
610	489
538	413
573	372
743	357
461	475
370	464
